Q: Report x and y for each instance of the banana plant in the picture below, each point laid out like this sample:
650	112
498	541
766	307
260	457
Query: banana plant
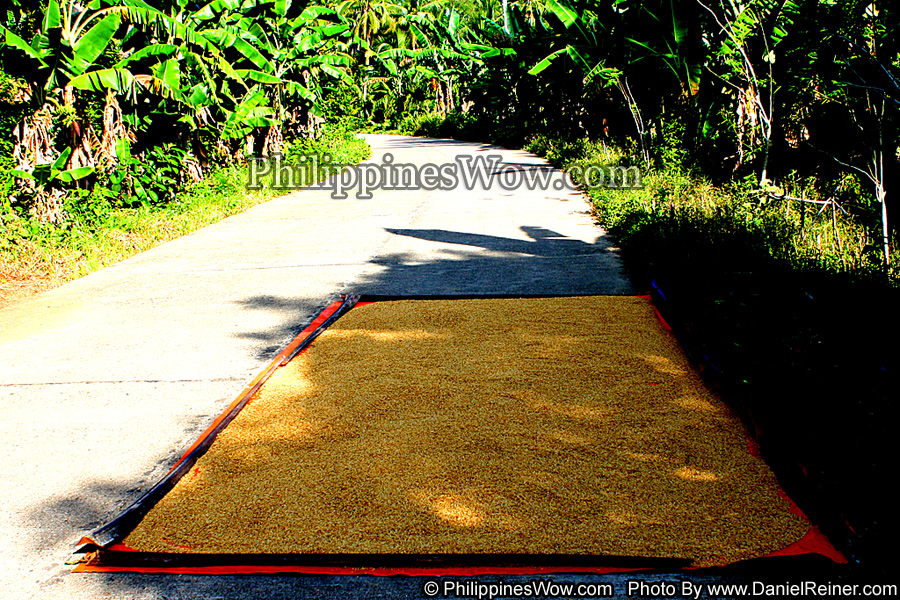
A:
252	112
45	174
62	56
66	49
583	44
669	44
280	54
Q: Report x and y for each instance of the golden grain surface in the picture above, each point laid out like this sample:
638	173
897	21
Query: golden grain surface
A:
570	425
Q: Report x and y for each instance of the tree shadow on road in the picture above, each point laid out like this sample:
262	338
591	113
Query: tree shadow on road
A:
547	263
544	262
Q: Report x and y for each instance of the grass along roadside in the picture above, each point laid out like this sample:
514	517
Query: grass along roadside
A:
35	257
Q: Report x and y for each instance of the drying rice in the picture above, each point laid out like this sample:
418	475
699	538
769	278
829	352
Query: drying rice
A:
565	425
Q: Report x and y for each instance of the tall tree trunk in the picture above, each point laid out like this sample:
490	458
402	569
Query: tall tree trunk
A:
506	17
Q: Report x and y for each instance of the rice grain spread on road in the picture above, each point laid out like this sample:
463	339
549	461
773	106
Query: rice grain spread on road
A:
552	425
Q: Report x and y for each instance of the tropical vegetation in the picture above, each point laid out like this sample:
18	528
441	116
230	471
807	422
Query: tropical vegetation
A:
797	99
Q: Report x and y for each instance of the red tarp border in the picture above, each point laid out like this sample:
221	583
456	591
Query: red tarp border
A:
115	557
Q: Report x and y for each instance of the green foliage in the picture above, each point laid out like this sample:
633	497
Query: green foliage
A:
103	228
679	222
455	124
173	73
566	153
90	210
671	149
343	103
46	174
338	140
10	116
418	121
149	179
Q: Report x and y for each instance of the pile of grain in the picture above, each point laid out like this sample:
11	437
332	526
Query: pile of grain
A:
570	425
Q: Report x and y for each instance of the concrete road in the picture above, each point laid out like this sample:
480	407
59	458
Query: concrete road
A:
106	380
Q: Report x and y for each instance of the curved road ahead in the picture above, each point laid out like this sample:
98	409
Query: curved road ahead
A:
106	380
